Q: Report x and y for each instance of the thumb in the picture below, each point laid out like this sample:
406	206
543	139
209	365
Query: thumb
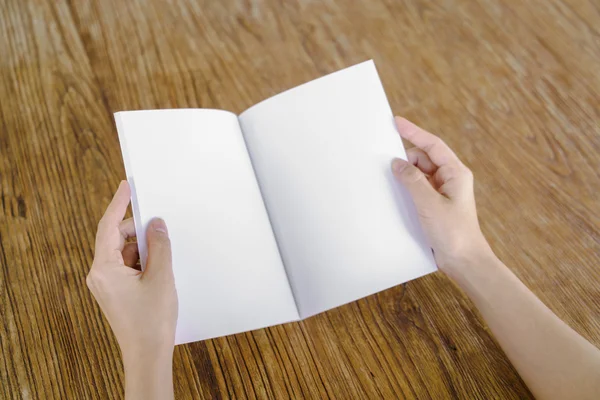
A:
415	181
159	249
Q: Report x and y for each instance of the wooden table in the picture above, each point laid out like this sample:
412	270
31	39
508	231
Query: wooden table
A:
513	86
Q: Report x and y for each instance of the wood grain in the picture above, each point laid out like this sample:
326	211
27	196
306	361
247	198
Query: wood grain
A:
512	86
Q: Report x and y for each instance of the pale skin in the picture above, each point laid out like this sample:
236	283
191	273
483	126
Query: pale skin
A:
141	307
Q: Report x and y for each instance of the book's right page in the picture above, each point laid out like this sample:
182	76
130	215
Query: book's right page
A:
322	154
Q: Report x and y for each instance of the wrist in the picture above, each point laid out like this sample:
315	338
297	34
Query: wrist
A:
148	373
149	347
474	255
140	357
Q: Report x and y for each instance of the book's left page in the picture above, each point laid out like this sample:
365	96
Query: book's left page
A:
191	168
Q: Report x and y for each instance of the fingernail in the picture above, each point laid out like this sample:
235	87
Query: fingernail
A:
398	164
159	225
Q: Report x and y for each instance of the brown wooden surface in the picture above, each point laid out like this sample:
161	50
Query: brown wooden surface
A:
513	86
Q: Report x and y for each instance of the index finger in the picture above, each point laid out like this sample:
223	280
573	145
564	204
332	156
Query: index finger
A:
115	212
109	234
436	149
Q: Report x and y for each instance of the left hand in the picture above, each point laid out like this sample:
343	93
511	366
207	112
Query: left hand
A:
141	307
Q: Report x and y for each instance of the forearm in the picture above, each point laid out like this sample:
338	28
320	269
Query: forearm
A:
148	375
554	361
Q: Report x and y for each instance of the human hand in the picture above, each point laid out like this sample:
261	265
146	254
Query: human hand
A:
442	189
141	307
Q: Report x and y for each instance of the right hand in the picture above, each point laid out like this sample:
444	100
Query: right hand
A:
442	189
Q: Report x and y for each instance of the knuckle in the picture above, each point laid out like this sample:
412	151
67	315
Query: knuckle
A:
411	174
451	171
454	171
91	279
413	150
436	143
466	172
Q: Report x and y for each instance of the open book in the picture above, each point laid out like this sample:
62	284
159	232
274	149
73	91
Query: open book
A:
285	211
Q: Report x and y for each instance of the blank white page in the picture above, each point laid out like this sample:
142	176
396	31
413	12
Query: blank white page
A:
322	154
191	168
